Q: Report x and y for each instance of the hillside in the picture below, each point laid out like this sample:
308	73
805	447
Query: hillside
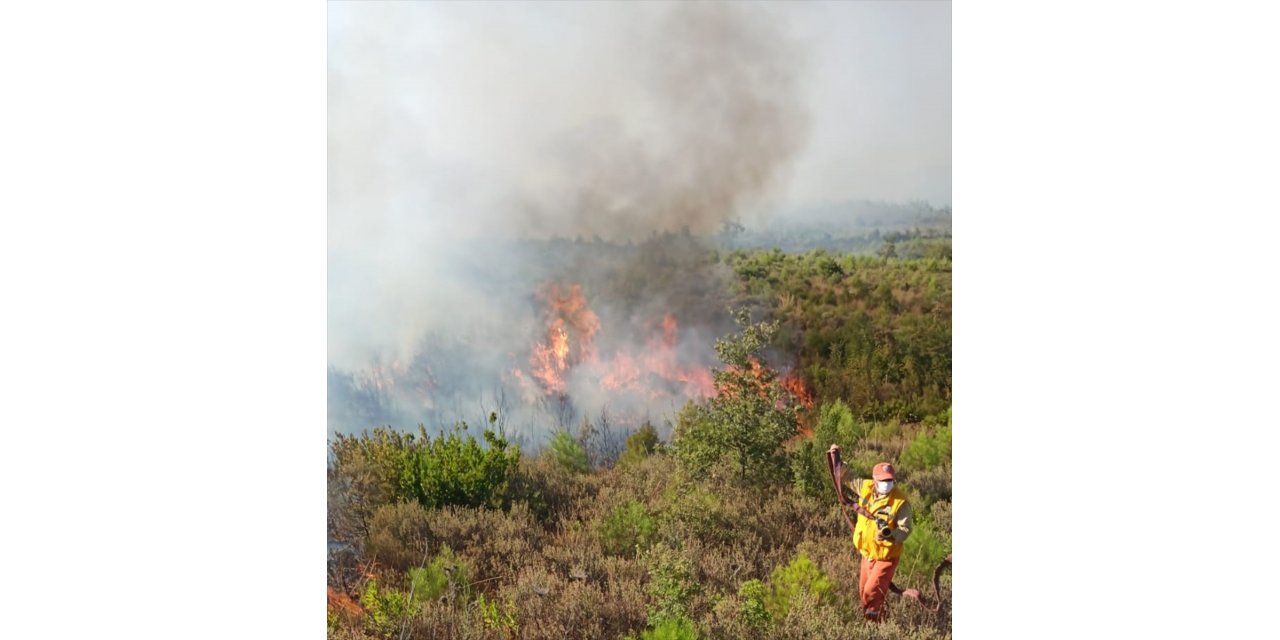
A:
590	515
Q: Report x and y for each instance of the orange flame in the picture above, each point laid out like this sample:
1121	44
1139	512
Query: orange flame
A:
794	385
659	362
570	331
656	371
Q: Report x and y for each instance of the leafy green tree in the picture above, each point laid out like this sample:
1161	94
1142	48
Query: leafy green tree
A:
751	414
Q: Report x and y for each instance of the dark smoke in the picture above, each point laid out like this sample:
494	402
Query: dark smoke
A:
714	122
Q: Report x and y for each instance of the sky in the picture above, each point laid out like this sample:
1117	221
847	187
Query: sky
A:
447	107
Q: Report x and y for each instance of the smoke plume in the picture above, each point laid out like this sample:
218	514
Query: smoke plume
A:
465	138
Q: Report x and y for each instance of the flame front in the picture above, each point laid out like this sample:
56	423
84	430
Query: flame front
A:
571	330
655	371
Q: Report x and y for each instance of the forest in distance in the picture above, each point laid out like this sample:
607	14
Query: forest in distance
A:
642	453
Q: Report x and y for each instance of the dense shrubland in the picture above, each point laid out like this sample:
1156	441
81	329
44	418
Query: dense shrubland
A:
729	530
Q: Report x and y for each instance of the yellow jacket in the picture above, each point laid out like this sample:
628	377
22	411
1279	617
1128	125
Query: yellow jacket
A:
893	509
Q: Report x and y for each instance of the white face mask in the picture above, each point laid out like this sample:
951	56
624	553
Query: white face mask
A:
884	486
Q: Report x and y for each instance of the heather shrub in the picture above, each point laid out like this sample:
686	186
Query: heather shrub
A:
940	517
928	486
786	519
548	489
691	511
398	534
491	542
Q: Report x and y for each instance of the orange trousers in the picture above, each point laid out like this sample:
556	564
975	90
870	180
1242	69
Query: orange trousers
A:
874	577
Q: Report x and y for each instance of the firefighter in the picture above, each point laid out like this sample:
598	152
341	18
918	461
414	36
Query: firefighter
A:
879	541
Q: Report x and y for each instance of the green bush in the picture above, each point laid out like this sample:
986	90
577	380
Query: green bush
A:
640	445
835	424
444	574
385	609
754	612
927	450
447	470
498	615
690	510
924	549
626	529
452	470
800	578
746	422
674	628
671	584
568	453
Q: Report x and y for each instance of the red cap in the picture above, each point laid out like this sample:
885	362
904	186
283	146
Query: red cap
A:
882	471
